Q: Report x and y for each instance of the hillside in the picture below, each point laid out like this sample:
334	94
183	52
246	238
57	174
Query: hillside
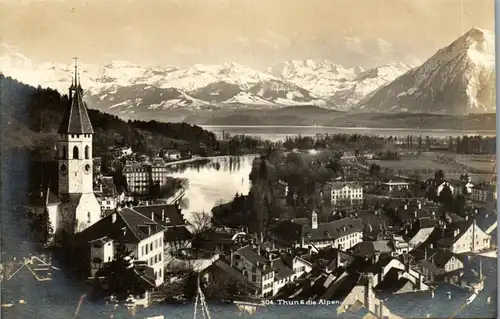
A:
30	117
458	79
312	115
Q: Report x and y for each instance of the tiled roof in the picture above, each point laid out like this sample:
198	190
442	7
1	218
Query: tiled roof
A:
177	233
251	255
441	257
293	231
172	214
486	219
340	185
369	248
76	119
282	270
129	227
108	186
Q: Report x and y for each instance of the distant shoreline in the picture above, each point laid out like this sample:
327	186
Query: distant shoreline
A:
343	128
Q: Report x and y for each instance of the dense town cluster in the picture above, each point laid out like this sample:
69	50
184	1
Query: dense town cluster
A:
317	224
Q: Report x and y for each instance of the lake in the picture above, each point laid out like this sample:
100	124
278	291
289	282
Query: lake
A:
214	180
276	133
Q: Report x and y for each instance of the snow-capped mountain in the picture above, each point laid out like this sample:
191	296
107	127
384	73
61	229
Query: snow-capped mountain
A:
458	79
340	86
118	98
352	90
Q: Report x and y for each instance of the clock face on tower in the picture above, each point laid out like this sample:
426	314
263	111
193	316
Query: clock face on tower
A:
86	168
63	168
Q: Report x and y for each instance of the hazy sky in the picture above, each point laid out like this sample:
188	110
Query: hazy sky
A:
257	33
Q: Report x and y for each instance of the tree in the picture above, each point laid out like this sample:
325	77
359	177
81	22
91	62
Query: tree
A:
439	176
375	170
201	221
446	197
41	227
119	276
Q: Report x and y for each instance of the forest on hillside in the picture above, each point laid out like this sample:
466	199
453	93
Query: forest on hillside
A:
30	118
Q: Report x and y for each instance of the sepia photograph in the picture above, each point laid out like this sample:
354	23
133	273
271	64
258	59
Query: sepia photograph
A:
166	159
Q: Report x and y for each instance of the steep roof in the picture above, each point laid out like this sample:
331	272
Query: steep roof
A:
171	213
129	227
76	118
293	231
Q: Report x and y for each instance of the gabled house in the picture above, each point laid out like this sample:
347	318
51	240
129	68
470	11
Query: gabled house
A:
343	233
270	271
107	194
439	265
419	231
464	236
177	236
142	236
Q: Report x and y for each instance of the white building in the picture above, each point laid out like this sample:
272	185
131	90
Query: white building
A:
345	191
344	233
142	236
464	236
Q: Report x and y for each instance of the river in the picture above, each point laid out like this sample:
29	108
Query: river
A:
276	133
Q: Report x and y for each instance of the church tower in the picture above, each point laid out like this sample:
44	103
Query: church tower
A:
75	145
74	152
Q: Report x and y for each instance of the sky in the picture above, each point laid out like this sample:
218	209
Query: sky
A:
256	33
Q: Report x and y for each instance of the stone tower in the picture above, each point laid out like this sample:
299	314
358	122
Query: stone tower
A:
74	151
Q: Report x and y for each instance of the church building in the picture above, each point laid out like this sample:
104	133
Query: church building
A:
75	207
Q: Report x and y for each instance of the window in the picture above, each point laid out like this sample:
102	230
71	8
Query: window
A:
87	151
254	278
75	152
64	152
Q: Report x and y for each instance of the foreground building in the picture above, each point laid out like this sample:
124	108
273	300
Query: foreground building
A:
143	237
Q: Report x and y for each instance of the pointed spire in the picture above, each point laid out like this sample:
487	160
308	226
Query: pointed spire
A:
76	71
76	119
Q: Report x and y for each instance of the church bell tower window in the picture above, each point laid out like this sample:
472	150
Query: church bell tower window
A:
75	152
86	152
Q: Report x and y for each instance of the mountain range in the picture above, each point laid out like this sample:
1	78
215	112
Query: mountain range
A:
458	79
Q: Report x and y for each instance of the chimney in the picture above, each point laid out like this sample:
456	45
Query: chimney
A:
416	213
406	206
431	246
113	218
232	258
302	243
425	253
419	205
258	249
163	215
152	216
